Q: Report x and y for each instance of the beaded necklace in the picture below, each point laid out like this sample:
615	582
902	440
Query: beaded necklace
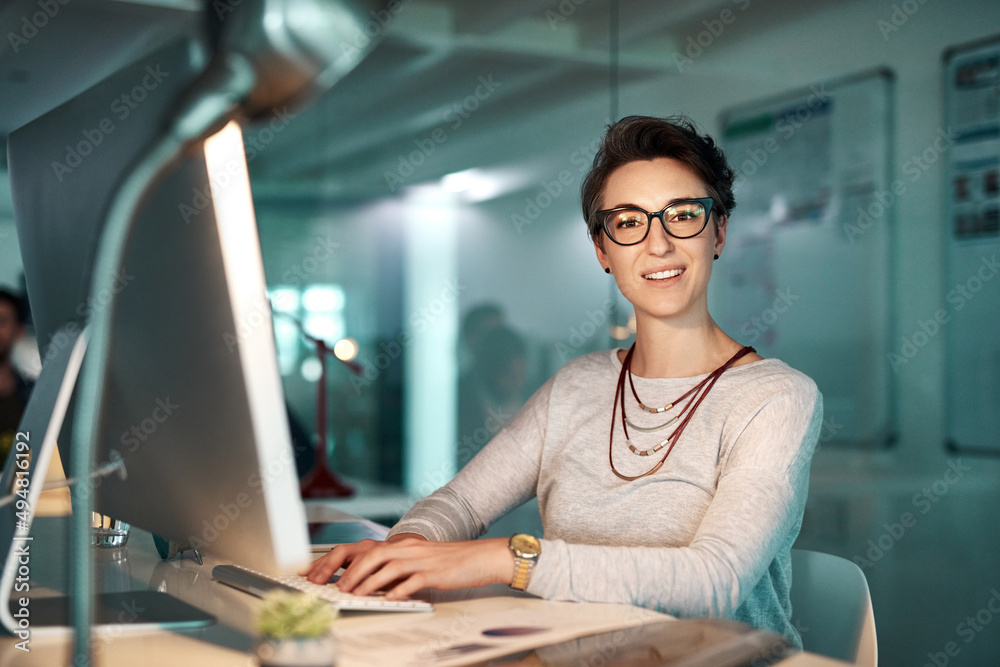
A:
695	396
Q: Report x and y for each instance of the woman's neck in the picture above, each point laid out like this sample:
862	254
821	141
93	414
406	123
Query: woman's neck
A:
665	350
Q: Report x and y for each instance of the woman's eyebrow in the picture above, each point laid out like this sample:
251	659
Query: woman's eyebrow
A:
672	201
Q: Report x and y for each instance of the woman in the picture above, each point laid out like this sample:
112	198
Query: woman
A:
672	475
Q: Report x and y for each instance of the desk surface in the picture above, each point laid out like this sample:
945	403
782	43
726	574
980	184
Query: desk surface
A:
137	567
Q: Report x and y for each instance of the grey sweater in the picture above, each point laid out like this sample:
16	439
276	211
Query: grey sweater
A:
709	534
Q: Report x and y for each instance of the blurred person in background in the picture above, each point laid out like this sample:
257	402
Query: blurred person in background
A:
15	388
492	391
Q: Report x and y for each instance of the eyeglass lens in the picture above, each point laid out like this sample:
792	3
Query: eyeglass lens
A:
682	220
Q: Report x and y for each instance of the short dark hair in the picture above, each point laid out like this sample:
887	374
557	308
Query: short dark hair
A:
17	303
638	138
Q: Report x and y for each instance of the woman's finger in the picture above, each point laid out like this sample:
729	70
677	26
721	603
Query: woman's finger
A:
321	569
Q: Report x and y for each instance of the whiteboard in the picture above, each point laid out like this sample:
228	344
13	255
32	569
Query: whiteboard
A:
805	275
971	226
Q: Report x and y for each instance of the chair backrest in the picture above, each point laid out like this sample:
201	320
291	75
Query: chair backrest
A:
832	608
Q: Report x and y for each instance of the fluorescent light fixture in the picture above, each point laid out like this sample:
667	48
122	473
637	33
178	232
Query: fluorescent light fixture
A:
310	369
325	326
286	335
323	298
479	185
285	299
460	181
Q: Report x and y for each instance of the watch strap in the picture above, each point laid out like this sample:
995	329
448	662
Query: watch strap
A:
523	568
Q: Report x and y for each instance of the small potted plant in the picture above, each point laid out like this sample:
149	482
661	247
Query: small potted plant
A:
295	631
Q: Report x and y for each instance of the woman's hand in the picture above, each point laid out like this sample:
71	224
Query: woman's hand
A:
409	563
342	555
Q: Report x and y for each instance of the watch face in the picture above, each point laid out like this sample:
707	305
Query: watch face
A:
525	545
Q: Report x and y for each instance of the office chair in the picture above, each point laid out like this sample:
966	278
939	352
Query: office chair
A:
832	608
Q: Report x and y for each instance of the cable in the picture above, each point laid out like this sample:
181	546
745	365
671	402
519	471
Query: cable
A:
115	464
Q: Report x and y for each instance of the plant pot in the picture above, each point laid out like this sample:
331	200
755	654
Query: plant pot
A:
296	651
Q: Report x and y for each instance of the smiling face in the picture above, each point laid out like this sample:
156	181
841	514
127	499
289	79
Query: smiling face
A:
662	277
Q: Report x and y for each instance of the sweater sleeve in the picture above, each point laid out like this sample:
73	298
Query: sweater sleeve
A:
757	505
499	478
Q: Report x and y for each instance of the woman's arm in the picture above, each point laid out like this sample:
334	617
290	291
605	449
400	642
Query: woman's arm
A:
435	545
499	478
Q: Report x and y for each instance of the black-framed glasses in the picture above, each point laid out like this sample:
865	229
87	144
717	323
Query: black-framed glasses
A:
681	219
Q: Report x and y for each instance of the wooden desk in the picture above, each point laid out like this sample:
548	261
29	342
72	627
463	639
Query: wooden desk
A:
228	643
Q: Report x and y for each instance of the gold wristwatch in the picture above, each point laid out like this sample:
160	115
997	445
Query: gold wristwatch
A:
526	550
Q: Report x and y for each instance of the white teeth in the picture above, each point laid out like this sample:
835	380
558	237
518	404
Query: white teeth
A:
660	275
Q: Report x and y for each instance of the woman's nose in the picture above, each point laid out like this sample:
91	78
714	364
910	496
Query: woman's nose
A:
658	242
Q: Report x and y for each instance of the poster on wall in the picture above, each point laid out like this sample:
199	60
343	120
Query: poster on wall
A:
806	273
970	320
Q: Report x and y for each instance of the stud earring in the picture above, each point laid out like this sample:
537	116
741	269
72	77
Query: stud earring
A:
716	257
607	269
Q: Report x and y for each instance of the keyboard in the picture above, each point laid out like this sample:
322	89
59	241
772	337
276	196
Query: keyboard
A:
257	583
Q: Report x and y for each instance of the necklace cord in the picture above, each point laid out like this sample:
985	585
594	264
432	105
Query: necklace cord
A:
697	393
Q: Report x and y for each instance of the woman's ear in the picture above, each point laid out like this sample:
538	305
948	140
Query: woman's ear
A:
602	257
720	234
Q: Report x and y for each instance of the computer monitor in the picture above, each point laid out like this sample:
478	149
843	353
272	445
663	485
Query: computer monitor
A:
190	397
135	217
